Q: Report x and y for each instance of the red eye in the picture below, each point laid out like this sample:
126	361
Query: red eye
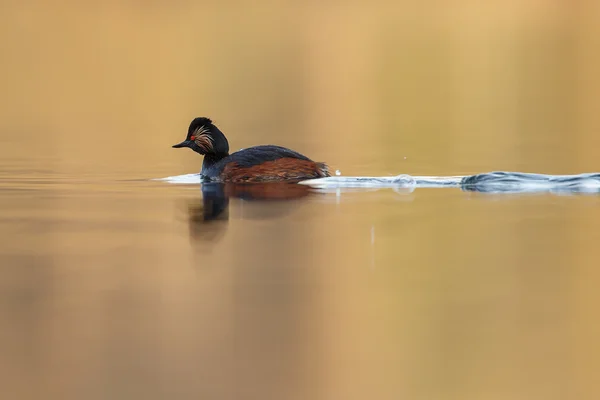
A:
192	137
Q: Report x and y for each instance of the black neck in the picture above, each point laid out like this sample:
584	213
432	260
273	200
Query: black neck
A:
211	159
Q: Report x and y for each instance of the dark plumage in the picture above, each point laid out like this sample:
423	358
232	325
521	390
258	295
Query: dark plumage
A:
254	164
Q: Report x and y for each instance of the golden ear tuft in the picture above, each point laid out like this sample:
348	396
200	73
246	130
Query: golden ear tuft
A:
205	142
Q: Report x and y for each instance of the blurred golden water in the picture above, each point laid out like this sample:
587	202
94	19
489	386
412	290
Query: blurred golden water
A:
113	286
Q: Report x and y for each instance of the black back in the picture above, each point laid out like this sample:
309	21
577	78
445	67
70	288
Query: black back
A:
259	154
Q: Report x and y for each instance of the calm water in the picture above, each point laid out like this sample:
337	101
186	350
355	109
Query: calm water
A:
116	286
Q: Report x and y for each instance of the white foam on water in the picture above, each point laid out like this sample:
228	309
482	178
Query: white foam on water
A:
398	181
188	179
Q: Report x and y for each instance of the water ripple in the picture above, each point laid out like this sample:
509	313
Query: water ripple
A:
492	182
500	181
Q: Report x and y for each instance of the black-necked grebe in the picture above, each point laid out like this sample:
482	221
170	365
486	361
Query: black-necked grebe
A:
254	164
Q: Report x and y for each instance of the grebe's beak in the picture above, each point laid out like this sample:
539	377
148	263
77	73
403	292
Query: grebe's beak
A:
185	143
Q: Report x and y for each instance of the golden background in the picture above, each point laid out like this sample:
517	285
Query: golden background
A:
110	292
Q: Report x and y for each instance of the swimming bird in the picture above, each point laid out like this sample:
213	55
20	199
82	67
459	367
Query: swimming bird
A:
255	164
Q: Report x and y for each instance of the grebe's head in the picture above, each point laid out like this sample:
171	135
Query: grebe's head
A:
205	138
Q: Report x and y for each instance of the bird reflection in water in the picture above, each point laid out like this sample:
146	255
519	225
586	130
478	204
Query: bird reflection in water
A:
208	216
